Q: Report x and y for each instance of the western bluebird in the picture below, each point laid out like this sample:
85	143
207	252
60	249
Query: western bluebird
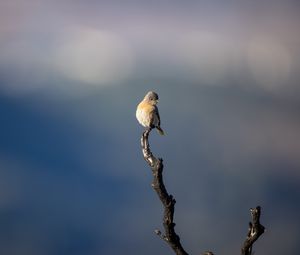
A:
147	112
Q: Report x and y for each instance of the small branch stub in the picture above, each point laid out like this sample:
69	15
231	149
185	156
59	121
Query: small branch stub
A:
254	232
208	253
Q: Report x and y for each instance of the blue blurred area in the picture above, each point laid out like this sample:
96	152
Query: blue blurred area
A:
72	176
72	188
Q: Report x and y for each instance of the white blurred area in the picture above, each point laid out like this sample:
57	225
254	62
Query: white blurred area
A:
94	57
211	58
81	54
90	56
269	61
44	44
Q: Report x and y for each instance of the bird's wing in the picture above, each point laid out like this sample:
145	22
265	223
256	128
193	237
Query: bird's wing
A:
157	115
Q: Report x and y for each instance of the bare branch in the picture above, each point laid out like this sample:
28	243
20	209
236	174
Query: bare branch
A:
254	232
156	165
170	236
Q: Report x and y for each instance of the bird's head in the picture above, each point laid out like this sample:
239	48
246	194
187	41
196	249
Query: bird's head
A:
151	97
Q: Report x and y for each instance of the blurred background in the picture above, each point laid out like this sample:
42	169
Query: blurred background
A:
72	176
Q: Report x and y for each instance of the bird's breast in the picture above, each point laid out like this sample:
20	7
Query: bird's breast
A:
145	114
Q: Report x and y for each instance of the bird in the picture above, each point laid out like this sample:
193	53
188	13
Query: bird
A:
147	112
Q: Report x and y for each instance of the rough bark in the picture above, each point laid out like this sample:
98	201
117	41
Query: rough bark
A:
254	232
156	165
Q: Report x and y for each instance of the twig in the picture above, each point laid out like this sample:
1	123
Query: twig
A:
156	165
254	232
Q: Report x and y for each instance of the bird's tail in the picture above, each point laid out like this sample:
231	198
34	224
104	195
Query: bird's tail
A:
160	131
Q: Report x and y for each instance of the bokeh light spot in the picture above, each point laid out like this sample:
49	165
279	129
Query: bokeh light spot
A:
95	57
269	62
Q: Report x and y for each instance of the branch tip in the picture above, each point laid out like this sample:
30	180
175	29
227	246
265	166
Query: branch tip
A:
254	232
156	165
